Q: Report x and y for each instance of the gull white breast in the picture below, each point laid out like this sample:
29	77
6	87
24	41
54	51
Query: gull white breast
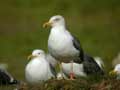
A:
38	69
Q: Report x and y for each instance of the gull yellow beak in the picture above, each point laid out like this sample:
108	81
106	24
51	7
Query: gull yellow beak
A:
112	72
46	24
30	57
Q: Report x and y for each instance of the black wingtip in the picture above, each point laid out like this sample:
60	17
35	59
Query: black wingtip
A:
91	67
14	82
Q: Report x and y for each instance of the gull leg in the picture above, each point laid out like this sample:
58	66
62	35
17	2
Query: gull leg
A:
61	71
71	73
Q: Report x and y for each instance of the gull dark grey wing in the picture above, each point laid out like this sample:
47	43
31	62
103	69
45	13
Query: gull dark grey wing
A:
53	70
6	78
91	67
77	45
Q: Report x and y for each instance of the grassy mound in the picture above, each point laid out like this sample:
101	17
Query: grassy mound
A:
78	84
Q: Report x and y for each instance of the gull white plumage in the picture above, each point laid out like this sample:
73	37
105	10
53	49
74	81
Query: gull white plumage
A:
61	44
90	66
38	69
51	60
78	69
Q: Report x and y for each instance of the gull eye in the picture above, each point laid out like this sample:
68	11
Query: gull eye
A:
57	19
38	53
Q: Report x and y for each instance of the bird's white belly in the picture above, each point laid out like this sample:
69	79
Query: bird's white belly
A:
62	48
37	71
77	69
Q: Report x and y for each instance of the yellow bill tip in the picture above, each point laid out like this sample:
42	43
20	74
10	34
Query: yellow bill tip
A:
46	24
29	57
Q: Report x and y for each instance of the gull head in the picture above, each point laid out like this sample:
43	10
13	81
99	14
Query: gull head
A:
57	20
36	53
116	70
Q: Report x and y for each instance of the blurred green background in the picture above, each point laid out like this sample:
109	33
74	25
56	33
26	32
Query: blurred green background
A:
95	22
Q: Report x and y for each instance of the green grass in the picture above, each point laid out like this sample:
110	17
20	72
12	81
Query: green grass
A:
95	23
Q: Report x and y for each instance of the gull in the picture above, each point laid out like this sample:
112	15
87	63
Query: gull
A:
62	45
6	78
38	69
